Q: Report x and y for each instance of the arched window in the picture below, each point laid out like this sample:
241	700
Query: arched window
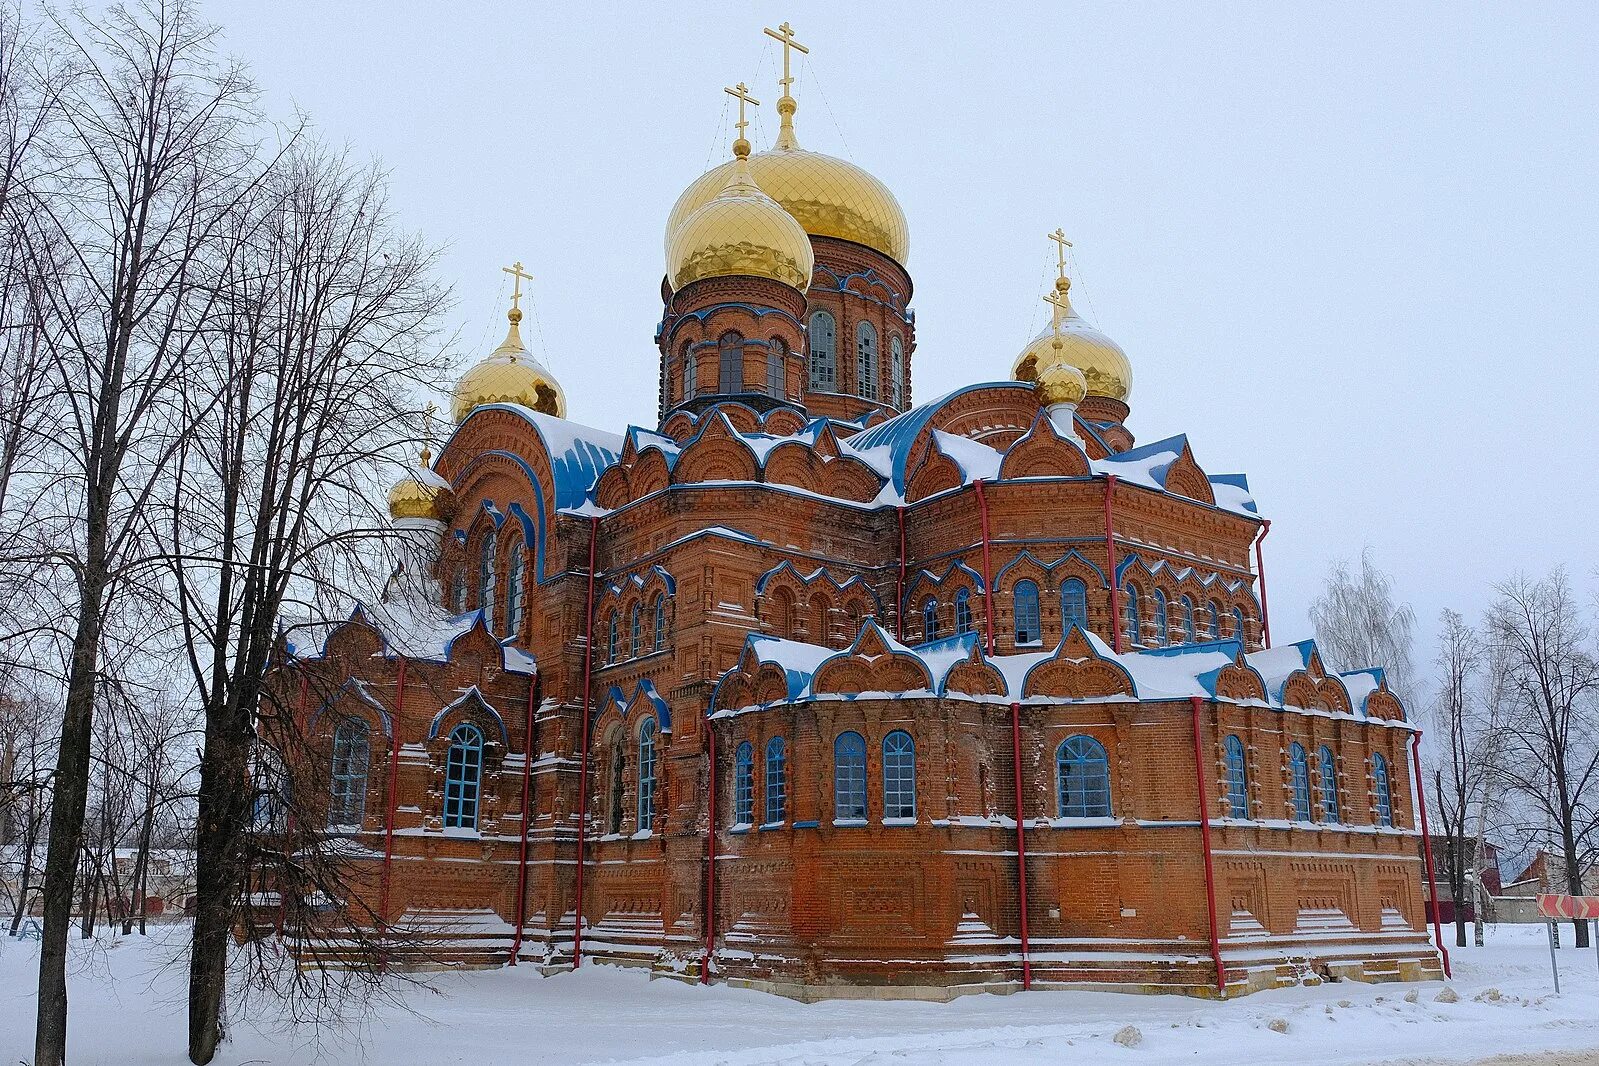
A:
1299	773
458	591
1025	601
849	777
635	634
610	641
730	350
899	775
774	368
744	784
776	782
1385	797
1238	624
823	342
691	373
866	361
1082	779
646	775
1162	619
1214	612
1237	779
463	772
618	781
1327	778
352	756
963	611
1073	605
515	593
929	619
485	577
821	619
660	622
1185	611
896	371
1134	624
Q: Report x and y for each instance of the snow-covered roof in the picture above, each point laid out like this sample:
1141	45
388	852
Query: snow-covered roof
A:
410	631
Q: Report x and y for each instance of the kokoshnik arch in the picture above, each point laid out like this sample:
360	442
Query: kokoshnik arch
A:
812	688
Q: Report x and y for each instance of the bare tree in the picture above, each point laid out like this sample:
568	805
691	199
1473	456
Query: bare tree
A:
1464	764
1359	624
1551	686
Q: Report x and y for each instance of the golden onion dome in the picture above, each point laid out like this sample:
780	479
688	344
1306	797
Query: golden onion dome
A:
421	493
1103	363
826	195
739	231
509	375
1059	381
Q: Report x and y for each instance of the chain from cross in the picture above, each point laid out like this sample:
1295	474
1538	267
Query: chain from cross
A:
516	271
742	94
785	34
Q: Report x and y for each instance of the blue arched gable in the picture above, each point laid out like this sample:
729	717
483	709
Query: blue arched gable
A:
819	575
466	697
359	689
924	577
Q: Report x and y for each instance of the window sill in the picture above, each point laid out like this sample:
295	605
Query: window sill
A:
1105	822
767	827
899	822
460	832
849	823
642	834
740	828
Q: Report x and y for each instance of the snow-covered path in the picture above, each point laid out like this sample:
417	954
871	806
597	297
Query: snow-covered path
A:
127	1010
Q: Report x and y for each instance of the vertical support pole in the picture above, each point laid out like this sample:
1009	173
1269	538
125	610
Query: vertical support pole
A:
988	577
1260	574
392	797
1110	568
899	589
710	853
1426	847
1554	962
1021	840
1195	704
527	816
288	826
583	760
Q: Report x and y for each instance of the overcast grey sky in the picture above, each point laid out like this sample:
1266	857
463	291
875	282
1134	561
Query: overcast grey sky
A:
1349	250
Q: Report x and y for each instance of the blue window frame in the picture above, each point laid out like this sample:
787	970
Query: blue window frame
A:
1385	797
849	777
866	361
463	775
1162	619
963	611
635	636
515	593
776	782
899	775
646	775
731	363
1134	623
485	577
774	369
352	758
1073	605
929	619
1082	779
610	640
1185	610
660	622
691	373
1237	779
1238	623
744	784
1214	613
1025	601
896	371
823	341
1327	777
1299	772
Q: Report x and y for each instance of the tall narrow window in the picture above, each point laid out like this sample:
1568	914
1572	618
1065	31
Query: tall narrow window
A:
963	611
744	784
823	342
929	619
485	578
691	373
1238	625
849	778
1237	779
1299	773
730	351
1025	602
660	622
776	783
866	361
352	757
1162	619
899	775
1135	621
646	775
610	640
1073	605
896	372
1082	778
515	593
618	784
458	591
635	636
1385	797
774	369
1185	615
1214	613
1327	778
463	773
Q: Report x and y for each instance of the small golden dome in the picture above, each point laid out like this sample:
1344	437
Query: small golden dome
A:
1103	363
421	493
1060	382
740	231
827	196
509	375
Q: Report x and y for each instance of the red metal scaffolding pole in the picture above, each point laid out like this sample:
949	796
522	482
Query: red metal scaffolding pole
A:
1426	847
527	816
390	799
583	760
1021	840
1203	781
988	578
710	854
1110	563
899	591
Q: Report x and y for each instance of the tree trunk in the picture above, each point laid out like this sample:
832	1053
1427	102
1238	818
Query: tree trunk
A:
223	796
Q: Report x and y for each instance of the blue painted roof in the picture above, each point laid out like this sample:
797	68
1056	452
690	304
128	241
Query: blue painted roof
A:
900	432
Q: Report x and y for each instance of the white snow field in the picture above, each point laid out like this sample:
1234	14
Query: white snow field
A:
127	1009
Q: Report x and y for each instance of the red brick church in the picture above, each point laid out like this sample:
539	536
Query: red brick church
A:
815	689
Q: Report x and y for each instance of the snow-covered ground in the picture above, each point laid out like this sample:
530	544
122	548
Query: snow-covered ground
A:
127	1009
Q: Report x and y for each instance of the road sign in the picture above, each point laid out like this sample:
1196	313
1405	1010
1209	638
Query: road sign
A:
1572	908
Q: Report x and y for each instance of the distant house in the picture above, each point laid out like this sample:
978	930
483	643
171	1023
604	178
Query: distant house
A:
1487	874
1546	872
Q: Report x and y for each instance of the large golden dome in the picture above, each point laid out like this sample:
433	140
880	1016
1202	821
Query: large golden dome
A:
509	375
1102	361
739	231
827	196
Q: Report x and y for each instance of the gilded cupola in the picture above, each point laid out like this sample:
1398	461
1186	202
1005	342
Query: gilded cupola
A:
1068	339
421	493
509	374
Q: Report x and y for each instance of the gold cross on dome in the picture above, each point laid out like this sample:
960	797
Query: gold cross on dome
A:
1059	237
742	94
1058	301
516	271
785	34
